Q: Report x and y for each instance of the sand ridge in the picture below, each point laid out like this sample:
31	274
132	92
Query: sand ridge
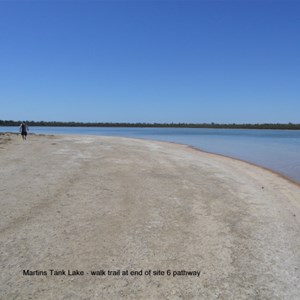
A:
89	203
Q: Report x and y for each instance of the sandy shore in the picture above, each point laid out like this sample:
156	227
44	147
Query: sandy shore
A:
223	228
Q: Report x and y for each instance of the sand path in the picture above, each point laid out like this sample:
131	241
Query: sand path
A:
100	203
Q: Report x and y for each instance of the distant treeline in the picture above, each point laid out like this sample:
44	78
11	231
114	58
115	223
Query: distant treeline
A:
289	126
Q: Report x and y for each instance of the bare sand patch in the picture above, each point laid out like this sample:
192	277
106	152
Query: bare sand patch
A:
101	203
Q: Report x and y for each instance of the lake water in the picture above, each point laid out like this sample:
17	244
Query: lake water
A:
278	150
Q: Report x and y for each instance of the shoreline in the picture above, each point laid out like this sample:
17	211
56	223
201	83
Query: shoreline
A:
291	180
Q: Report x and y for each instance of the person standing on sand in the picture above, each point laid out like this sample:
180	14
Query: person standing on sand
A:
23	130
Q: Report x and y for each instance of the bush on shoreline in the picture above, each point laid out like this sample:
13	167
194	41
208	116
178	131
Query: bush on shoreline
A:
288	126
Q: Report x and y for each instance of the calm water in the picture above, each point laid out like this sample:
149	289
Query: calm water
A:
278	150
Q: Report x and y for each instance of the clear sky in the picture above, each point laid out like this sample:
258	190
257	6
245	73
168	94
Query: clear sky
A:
150	61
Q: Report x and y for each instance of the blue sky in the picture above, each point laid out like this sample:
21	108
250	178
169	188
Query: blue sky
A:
150	61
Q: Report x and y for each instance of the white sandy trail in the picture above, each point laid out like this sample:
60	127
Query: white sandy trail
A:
101	203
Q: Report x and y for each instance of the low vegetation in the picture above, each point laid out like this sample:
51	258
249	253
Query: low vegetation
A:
289	126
